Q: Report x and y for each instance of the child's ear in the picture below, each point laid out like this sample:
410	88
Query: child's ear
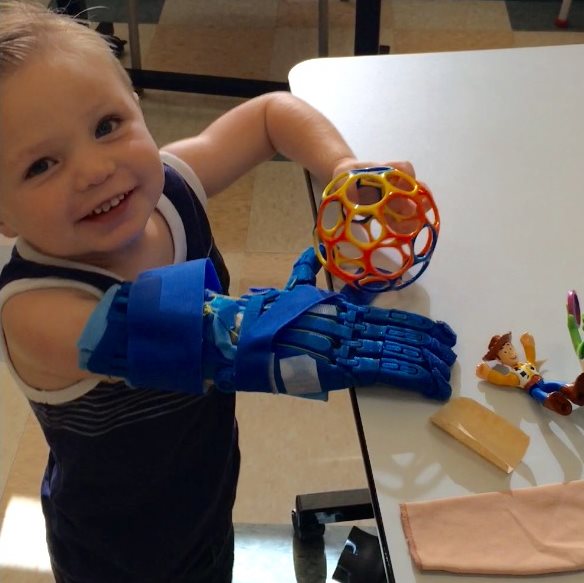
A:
136	96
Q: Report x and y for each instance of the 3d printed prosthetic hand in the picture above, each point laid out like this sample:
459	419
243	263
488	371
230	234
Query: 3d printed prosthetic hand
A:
172	330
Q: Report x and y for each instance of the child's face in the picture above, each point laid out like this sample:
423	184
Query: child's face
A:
74	143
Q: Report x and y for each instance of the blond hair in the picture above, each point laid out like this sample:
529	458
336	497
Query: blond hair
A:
28	29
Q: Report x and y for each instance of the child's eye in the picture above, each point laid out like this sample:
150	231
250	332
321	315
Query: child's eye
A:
39	167
107	126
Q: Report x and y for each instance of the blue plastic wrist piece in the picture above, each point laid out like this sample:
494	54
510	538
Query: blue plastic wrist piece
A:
154	329
260	326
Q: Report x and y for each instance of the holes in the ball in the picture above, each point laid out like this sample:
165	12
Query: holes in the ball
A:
413	273
429	210
359	233
360	219
401	215
346	250
402	181
370	194
337	185
388	260
352	269
364	190
424	241
331	216
349	258
376	231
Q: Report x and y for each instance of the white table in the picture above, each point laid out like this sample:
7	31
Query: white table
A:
499	138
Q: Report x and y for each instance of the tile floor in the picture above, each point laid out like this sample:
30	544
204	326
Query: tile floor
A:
261	222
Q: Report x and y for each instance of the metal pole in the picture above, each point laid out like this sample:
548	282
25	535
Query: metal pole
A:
134	35
323	28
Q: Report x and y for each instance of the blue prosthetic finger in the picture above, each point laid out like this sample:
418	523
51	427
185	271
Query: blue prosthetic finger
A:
328	340
351	353
153	329
361	362
426	381
331	323
305	269
373	315
412	338
373	338
334	340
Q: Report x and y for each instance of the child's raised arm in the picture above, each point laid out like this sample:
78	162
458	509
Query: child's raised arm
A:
254	131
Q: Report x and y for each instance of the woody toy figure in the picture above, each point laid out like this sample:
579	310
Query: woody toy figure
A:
525	375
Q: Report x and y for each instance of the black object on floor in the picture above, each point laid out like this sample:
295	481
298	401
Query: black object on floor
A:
360	561
313	511
269	553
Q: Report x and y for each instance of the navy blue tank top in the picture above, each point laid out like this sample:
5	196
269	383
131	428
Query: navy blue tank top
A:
138	483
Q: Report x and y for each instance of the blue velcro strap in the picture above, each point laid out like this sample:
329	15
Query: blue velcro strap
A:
255	348
165	326
95	332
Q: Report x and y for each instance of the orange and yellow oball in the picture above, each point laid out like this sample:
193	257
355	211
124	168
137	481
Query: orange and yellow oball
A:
376	228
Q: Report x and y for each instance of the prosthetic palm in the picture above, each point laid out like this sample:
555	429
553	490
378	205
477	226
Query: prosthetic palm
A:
173	330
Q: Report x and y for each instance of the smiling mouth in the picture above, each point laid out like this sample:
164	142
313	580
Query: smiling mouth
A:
108	206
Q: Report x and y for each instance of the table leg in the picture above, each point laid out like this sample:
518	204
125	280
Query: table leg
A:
367	23
134	35
323	28
313	511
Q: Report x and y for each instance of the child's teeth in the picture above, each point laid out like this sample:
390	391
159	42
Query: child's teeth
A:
115	201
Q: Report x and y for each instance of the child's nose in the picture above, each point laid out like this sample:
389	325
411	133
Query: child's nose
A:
93	171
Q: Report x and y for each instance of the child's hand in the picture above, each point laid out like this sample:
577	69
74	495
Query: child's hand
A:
402	216
352	164
371	195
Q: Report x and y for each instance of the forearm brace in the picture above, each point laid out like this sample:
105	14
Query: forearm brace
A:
172	330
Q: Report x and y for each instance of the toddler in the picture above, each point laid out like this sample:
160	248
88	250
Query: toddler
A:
140	484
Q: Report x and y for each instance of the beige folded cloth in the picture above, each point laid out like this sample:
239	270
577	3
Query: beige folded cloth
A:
527	531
